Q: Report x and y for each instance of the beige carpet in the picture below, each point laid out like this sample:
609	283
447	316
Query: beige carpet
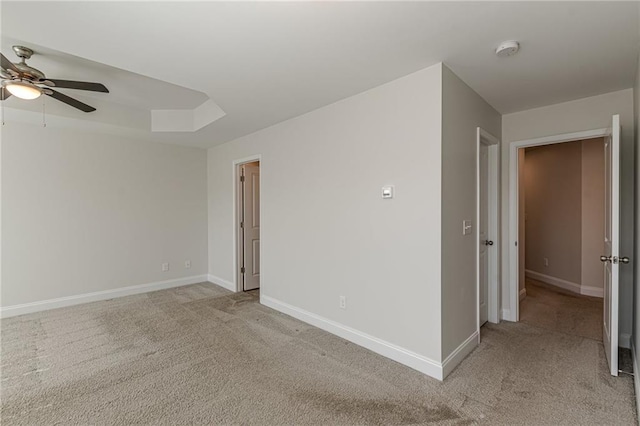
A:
560	310
201	355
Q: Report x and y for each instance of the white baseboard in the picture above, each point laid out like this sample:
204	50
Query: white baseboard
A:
564	284
459	354
223	283
636	378
624	340
523	293
403	356
44	305
592	291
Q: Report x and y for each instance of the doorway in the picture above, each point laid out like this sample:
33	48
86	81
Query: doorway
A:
562	228
611	256
248	225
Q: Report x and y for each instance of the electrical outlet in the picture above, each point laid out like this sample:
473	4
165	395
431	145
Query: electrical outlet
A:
187	264
165	267
343	302
546	261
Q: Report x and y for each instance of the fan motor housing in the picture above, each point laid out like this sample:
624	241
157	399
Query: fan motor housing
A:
29	72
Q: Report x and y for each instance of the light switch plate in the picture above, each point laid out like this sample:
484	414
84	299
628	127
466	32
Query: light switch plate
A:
467	227
387	191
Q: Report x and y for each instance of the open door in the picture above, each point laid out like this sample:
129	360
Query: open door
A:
483	229
250	226
611	258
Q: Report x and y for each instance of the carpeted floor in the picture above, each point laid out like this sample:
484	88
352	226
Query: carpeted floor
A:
202	355
560	310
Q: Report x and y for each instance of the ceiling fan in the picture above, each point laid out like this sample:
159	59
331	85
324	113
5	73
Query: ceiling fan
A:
26	82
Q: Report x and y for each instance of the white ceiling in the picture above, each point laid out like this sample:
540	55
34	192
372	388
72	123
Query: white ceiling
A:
263	63
130	99
125	87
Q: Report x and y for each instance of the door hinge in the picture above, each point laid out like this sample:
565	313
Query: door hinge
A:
241	178
242	225
242	270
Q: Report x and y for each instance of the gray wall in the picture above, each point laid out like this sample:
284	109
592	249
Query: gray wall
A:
636	258
85	212
327	232
553	210
463	111
564	192
592	213
522	228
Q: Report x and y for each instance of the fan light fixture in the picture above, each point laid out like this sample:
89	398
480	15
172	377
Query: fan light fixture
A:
26	82
23	90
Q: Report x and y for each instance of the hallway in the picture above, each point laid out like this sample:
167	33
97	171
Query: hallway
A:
553	308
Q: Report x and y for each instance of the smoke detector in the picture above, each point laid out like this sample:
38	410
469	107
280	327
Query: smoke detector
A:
507	48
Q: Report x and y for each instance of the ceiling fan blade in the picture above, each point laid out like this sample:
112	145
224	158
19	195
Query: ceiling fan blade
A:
4	94
7	64
80	85
70	101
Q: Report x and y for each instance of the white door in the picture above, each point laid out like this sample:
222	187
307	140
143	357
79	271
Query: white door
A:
611	257
485	243
250	226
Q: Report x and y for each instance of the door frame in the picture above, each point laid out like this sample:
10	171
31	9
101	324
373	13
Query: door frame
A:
493	298
237	211
512	311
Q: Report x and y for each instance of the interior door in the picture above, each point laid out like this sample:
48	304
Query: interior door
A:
611	257
483	250
251	225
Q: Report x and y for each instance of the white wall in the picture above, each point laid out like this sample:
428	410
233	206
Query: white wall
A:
463	112
583	114
85	212
327	232
592	213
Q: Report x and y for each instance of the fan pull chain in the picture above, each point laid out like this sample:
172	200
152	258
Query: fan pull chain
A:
44	122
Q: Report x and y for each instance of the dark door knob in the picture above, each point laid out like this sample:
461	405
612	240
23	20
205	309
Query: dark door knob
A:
488	243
